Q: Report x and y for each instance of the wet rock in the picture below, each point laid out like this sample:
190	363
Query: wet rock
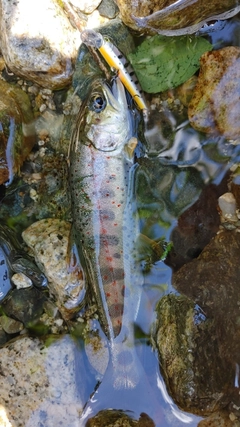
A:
165	17
11	326
17	132
195	375
14	260
47	375
29	46
48	238
114	418
220	419
214	107
24	304
212	281
196	226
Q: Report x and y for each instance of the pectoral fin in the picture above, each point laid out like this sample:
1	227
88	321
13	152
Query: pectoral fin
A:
130	147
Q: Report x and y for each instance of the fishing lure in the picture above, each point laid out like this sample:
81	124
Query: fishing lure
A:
116	60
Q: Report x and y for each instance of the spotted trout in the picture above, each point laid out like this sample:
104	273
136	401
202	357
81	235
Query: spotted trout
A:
103	161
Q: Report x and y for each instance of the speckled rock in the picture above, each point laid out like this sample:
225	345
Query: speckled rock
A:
31	48
165	17
215	106
46	375
48	238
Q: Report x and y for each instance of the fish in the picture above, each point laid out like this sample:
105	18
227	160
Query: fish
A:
116	60
105	145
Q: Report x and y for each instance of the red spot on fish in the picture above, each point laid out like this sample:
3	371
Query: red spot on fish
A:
108	294
115	224
118	188
109	258
119	205
113	203
105	277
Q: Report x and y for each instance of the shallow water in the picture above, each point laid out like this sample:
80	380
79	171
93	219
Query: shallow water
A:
181	163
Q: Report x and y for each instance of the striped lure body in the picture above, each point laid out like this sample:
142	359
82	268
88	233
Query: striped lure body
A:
100	162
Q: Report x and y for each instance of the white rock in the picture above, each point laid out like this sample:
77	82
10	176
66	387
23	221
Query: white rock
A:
38	42
39	384
227	204
21	281
49	238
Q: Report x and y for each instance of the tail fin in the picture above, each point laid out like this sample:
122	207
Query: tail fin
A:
125	388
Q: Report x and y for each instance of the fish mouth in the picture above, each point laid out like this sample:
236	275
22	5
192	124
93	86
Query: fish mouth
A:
115	94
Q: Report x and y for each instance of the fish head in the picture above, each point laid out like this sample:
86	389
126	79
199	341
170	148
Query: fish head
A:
109	121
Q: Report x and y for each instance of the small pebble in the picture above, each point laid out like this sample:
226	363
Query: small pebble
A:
10	326
42	108
228	206
21	281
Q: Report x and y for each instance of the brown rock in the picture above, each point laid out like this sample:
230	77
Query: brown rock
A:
195	375
215	105
17	132
158	16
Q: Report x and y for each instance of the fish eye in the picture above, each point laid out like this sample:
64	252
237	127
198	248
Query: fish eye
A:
97	103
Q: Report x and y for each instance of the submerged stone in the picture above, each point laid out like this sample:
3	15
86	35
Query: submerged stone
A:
196	226
49	240
195	375
11	326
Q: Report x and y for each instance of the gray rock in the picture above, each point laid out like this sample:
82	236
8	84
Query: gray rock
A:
108	8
